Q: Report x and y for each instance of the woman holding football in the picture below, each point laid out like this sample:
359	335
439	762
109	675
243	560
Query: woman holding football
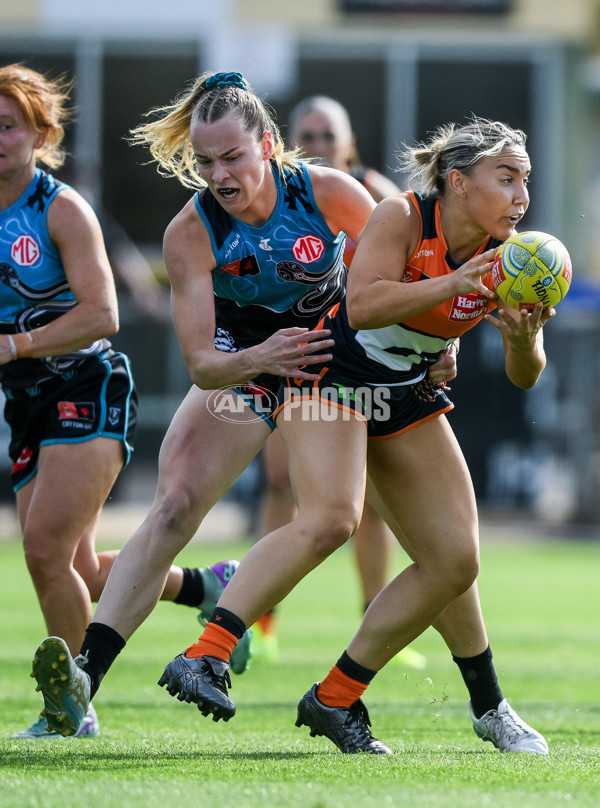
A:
421	277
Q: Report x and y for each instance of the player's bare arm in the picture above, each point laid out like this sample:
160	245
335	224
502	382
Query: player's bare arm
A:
189	261
75	231
375	298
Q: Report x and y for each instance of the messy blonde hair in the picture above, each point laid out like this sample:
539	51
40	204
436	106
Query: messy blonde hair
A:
42	102
453	146
167	135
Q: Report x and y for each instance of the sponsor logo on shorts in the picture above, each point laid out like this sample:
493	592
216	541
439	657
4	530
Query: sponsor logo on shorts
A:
76	411
23	460
76	415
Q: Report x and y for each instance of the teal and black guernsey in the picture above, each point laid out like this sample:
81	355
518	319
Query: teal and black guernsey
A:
288	272
34	289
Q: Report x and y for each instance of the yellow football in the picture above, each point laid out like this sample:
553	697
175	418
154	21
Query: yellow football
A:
531	267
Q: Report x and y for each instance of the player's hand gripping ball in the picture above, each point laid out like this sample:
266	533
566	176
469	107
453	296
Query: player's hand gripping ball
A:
531	267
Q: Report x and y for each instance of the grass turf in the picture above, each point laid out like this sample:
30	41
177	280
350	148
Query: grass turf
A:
541	602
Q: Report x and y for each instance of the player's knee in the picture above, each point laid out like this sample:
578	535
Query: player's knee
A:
175	513
451	566
333	529
43	560
462	570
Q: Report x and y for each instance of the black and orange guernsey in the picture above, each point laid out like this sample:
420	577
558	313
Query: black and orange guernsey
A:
400	354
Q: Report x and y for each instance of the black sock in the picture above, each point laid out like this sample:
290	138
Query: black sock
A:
192	588
354	670
229	621
101	646
480	678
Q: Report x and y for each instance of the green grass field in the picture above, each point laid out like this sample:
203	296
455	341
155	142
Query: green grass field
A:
542	605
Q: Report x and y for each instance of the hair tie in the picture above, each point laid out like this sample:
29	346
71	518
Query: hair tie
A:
226	80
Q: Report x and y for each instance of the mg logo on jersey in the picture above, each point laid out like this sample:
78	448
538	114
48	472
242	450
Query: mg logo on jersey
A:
25	251
307	249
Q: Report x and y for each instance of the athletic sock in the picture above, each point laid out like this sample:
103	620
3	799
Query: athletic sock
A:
192	588
219	638
480	678
345	683
101	646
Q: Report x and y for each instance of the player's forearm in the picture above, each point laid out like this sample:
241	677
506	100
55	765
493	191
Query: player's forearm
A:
78	328
212	369
524	365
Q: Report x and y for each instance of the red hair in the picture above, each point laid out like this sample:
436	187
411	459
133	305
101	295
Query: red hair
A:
42	102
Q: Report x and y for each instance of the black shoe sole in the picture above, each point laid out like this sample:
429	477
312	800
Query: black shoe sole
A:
303	721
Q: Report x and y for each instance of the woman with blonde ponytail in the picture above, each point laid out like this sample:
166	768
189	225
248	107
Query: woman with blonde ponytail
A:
255	260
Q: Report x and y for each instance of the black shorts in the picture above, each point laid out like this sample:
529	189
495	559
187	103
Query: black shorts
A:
99	400
387	410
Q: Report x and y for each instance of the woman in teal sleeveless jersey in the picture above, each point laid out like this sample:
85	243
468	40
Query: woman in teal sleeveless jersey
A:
71	405
70	400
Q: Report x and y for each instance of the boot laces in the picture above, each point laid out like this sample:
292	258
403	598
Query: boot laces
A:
358	721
